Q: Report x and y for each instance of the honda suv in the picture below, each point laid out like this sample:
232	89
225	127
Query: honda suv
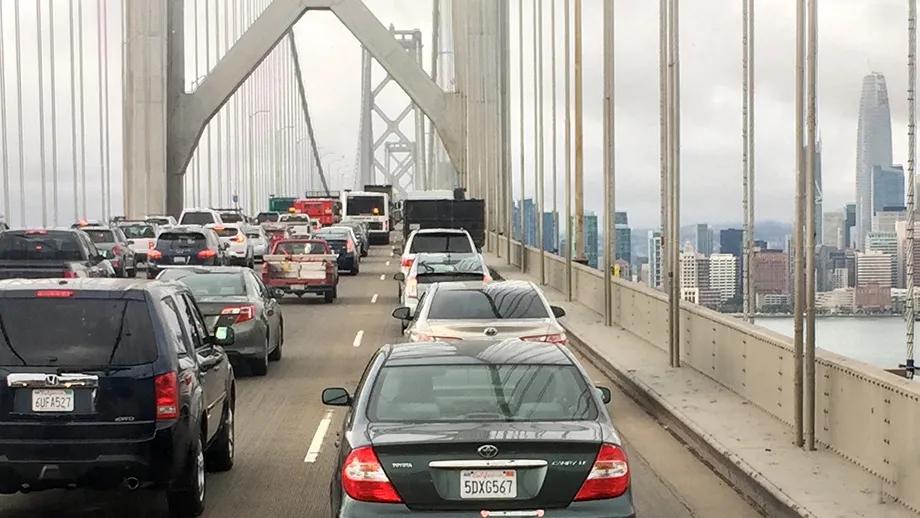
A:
127	388
186	245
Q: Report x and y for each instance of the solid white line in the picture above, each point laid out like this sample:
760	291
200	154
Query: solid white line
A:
383	277
358	338
374	299
317	443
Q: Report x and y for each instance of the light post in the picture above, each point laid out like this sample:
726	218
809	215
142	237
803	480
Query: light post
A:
252	169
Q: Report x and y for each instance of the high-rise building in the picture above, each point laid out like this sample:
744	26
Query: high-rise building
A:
730	242
832	233
722	273
704	239
849	224
591	241
530	222
549	240
770	273
886	219
654	259
887	187
873	268
873	147
886	243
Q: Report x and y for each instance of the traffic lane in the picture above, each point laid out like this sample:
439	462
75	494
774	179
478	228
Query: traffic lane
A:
277	419
668	480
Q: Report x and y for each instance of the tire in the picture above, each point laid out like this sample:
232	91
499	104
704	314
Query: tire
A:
329	296
259	366
219	457
132	273
276	354
335	291
354	269
188	502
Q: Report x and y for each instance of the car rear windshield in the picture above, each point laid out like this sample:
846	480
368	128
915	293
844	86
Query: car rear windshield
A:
86	332
231	217
433	265
264	217
431	242
227	231
253	235
487	304
300	248
197	218
40	246
138	231
159	221
211	284
178	240
442	393
365	205
101	236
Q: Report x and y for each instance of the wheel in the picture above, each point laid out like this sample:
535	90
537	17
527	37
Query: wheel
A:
354	270
329	296
188	501
335	291
276	354
219	457
132	273
260	365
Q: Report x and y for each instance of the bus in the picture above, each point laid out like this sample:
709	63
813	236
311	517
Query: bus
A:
372	208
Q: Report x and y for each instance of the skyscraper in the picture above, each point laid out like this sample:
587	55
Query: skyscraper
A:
873	147
704	239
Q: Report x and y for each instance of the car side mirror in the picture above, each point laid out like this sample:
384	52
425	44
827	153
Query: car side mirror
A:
399	277
397	251
224	336
336	396
277	293
557	311
605	394
401	313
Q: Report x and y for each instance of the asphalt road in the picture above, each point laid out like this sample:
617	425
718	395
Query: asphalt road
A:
284	461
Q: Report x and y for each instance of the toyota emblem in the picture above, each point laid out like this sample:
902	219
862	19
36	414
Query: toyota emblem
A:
491	331
488	451
51	379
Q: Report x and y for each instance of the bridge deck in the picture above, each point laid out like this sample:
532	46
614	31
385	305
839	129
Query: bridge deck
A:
748	446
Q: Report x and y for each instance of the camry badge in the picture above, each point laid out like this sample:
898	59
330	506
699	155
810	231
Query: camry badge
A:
487	451
491	331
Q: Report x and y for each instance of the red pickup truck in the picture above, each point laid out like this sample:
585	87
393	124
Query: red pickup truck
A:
301	266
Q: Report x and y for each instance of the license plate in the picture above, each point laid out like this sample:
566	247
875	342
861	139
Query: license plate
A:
52	400
179	260
488	484
297	287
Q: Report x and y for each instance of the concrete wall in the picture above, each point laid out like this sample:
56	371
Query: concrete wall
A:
863	413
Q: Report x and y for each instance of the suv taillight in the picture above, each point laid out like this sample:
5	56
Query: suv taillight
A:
167	395
242	312
206	253
363	478
609	477
558	338
407	262
412	287
349	246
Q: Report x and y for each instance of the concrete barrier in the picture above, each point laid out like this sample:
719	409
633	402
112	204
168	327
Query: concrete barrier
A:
865	414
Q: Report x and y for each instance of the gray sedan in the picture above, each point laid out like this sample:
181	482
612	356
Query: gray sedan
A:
234	296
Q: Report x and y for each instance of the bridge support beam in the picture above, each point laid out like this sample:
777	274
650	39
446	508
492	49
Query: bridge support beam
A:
164	123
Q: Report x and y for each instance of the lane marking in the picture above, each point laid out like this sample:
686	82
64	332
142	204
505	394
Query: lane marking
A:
383	277
388	263
358	337
374	299
317	443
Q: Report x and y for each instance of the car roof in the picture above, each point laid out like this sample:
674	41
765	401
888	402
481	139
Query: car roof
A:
440	231
476	352
186	228
83	284
97	228
207	269
491	286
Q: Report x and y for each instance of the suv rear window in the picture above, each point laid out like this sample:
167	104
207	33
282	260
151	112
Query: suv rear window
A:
434	242
158	221
197	218
176	240
86	332
138	231
231	217
101	236
486	304
263	217
227	231
40	246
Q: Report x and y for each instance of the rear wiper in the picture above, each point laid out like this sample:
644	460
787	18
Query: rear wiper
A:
6	338
121	329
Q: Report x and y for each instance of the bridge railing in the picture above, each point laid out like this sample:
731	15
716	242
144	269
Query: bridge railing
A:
862	412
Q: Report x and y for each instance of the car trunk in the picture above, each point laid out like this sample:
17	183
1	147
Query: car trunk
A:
497	329
182	249
306	268
438	467
88	377
212	306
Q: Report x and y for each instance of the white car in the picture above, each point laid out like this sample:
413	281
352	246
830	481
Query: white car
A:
240	252
428	269
203	217
434	241
162	221
143	237
259	239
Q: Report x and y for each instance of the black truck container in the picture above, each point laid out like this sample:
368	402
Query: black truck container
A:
470	215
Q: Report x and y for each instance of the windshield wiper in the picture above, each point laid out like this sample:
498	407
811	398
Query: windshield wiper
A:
121	329
499	394
6	338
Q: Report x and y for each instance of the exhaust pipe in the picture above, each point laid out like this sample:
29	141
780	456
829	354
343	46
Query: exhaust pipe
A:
132	483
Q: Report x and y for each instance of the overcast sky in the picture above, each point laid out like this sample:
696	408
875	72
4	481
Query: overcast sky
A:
856	36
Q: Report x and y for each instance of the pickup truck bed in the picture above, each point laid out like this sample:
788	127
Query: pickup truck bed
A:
302	274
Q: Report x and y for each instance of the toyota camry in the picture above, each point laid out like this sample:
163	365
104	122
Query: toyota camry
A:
478	428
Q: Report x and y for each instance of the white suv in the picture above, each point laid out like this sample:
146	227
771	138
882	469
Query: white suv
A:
434	241
202	217
241	251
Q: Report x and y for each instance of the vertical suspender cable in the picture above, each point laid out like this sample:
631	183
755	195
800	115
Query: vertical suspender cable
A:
555	146
41	110
523	251
539	188
568	149
82	96
107	107
100	49
664	144
55	213
798	227
4	130
745	166
808	409
752	306
22	166
221	114
911	179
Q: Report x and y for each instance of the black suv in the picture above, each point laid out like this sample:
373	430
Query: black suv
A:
126	387
186	245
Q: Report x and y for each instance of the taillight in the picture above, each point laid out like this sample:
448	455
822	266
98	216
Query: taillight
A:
206	253
363	478
609	477
167	395
243	312
54	293
116	250
411	287
239	238
154	254
150	245
69	274
558	338
423	337
407	262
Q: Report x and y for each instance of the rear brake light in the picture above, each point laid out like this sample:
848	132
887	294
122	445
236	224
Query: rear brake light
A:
349	246
154	254
150	244
243	313
36	231
54	293
116	250
558	338
422	337
363	478
406	262
69	274
207	252
609	476
239	238
166	388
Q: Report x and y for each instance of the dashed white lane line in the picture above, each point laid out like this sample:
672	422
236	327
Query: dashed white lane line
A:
383	277
316	445
388	263
358	337
374	299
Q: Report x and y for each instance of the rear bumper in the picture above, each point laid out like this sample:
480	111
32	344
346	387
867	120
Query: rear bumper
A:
347	261
303	288
249	341
379	237
52	465
621	507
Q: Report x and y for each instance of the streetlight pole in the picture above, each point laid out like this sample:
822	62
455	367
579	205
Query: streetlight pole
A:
252	168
